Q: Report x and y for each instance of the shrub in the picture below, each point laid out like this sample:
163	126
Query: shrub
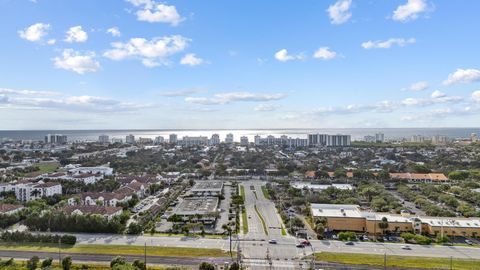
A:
347	236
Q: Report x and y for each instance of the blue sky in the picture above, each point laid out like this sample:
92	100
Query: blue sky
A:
87	64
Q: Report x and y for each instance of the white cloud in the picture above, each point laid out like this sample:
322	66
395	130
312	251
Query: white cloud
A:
476	96
150	11
385	44
182	92
30	99
76	62
340	11
191	59
114	31
51	41
436	97
152	52
76	34
265	107
283	56
324	53
410	10
418	86
225	98
35	32
463	76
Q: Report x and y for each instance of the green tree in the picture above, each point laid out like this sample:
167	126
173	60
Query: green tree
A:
67	263
32	264
117	261
383	224
206	266
47	262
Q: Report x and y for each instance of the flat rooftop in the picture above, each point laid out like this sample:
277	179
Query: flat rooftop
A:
301	185
201	186
197	205
336	210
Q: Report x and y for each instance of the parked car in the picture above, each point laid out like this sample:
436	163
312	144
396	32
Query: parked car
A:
349	243
406	248
300	246
469	242
305	242
272	241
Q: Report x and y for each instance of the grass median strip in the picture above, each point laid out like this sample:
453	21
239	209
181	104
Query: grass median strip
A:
118	250
398	261
245	221
262	220
265	192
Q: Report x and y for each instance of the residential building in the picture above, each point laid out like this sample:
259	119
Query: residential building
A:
439	139
193	141
244	140
145	140
10	209
159	140
56	139
329	140
229	138
379	137
215	139
173	138
28	191
103	138
130	139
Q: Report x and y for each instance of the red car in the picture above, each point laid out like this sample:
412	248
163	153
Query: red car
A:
305	242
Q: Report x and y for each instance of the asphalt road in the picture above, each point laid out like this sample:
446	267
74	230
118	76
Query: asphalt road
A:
104	258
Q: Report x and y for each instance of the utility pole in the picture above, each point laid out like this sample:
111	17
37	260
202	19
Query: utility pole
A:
145	255
451	263
59	251
385	261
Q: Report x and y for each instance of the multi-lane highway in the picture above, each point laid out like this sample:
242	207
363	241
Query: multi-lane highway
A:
254	247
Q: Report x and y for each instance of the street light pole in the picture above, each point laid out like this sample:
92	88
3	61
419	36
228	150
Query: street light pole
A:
59	251
145	255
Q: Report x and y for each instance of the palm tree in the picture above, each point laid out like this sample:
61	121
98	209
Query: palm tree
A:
383	224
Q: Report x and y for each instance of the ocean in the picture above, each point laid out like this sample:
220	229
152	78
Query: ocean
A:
356	133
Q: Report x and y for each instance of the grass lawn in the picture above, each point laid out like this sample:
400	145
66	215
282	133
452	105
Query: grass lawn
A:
284	232
119	250
398	261
245	221
265	192
22	265
262	220
44	167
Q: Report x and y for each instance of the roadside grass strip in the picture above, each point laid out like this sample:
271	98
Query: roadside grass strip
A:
262	220
398	261
118	250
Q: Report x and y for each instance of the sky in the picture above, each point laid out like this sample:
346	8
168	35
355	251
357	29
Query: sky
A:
149	64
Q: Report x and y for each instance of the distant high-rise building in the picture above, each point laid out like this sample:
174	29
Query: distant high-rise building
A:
329	140
215	139
369	138
439	139
159	140
56	138
193	141
379	137
257	139
130	139
244	140
103	138
145	140
172	138
229	138
473	137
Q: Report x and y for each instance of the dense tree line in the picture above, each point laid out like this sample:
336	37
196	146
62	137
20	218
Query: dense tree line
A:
26	237
60	222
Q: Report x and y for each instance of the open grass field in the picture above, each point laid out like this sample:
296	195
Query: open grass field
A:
119	250
44	167
399	261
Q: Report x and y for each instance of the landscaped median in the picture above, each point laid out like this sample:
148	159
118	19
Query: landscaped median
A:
118	250
262	220
398	261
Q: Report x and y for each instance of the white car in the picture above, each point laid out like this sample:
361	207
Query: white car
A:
469	242
406	248
272	241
